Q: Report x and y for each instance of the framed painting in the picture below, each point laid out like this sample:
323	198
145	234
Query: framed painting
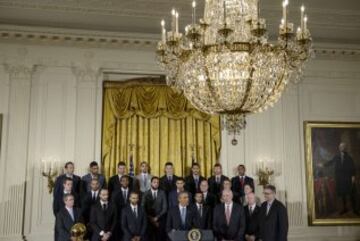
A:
333	172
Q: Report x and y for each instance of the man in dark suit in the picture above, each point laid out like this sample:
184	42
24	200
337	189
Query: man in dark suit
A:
345	172
58	202
168	181
239	181
203	211
210	199
251	217
273	218
227	187
173	198
103	219
114	181
66	218
120	199
229	219
94	173
216	181
182	216
192	182
90	199
134	220
154	202
68	173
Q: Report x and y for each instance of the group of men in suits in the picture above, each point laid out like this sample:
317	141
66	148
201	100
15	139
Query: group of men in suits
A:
148	208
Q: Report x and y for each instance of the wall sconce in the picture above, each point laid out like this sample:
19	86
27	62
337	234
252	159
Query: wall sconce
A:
49	170
265	170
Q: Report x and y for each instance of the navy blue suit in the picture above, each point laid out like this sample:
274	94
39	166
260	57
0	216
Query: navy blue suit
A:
133	225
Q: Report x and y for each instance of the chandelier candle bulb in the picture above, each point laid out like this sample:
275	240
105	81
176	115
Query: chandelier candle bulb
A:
163	31
302	17
285	3
194	12
305	23
177	22
173	19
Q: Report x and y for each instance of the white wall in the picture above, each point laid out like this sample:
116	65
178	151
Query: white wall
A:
51	99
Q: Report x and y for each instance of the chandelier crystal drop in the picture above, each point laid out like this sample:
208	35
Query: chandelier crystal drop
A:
224	64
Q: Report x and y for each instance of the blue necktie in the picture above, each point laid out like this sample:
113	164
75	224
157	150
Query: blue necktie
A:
183	216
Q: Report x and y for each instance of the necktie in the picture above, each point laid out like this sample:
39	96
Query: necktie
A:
154	195
170	179
217	180
268	208
242	182
342	158
196	183
104	207
71	212
250	210
145	181
125	196
227	214
183	216
135	212
94	196
200	210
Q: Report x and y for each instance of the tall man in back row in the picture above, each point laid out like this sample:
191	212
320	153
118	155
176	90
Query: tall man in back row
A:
238	182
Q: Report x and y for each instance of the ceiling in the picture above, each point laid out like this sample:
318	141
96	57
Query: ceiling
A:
330	21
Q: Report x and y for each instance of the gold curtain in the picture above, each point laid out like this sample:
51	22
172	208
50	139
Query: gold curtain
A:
156	124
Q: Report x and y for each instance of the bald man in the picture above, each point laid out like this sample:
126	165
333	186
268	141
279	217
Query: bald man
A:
229	219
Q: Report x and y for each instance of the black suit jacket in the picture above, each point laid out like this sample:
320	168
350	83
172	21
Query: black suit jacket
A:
155	208
86	203
236	229
166	185
204	220
210	200
58	202
252	221
59	188
215	188
132	225
101	220
190	184
173	221
64	222
236	185
274	226
114	183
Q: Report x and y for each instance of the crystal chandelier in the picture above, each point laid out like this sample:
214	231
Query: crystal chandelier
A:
224	64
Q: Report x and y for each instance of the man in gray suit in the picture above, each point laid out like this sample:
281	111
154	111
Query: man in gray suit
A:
155	204
144	178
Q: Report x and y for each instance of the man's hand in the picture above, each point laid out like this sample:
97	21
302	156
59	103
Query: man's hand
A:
353	179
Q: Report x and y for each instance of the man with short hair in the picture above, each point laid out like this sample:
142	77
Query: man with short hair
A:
168	181
173	195
133	220
238	182
114	181
120	199
273	218
252	217
144	178
66	218
67	188
68	173
103	219
182	216
192	182
155	204
216	180
89	200
229	219
203	211
93	174
227	187
210	199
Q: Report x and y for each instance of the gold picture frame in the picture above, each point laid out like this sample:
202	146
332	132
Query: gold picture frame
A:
330	198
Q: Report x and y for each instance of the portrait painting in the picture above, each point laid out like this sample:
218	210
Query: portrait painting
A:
333	172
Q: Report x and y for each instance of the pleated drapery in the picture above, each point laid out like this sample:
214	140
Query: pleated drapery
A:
156	124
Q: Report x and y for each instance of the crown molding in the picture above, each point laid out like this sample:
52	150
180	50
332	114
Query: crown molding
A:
104	39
